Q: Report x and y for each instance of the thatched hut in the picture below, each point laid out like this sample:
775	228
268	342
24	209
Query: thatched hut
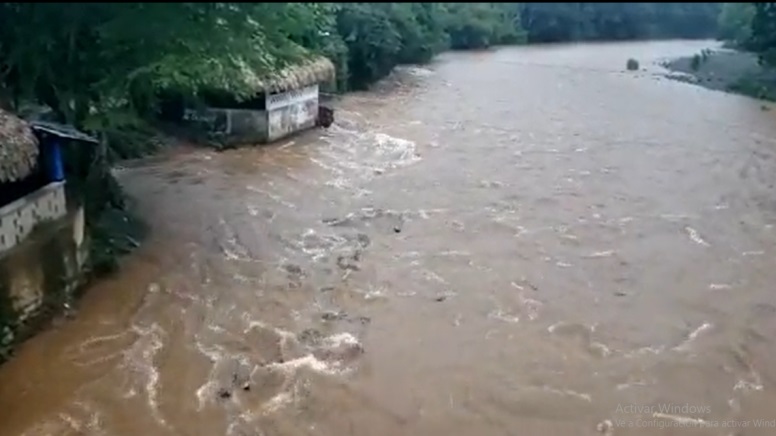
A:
313	71
18	148
32	175
286	102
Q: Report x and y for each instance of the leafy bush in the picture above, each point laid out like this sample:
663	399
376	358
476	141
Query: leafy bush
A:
372	40
480	25
735	22
763	38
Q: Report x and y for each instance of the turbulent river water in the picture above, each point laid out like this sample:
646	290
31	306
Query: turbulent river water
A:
527	241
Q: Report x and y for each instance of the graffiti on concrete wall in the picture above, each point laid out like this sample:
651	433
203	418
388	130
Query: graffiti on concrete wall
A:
292	111
292	97
210	120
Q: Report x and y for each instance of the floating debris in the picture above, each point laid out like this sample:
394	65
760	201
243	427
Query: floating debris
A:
695	236
718	286
596	254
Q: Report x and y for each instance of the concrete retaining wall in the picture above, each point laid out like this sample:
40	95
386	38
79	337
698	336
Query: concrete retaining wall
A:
39	275
18	219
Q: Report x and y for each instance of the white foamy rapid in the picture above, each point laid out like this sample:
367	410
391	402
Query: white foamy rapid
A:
352	164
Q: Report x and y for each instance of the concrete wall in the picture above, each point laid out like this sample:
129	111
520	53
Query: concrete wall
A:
287	113
18	219
292	111
38	277
248	126
230	126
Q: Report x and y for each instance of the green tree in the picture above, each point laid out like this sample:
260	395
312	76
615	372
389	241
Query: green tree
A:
555	22
763	39
372	40
481	25
735	22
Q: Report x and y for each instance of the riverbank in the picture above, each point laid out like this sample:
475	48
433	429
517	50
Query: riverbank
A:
726	70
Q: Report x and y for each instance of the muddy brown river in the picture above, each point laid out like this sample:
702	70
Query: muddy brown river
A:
528	241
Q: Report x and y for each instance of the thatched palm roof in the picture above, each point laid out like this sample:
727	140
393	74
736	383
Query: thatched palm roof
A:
18	148
305	73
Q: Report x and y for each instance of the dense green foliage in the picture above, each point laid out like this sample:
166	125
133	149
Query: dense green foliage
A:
378	36
84	60
751	26
763	39
556	22
735	22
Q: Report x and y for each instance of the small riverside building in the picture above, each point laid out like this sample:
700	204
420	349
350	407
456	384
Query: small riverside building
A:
42	250
29	194
32	175
284	103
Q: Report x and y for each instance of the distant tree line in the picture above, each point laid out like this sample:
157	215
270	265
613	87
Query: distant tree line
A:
558	22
